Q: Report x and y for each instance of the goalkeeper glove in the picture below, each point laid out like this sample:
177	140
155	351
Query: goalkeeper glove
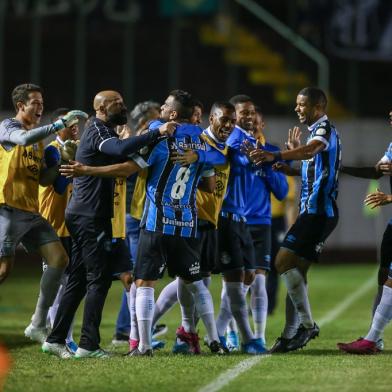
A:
71	118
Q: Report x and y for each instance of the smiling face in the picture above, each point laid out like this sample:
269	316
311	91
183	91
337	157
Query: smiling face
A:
222	123
30	111
246	115
307	114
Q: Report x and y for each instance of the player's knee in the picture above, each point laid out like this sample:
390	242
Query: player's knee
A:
280	264
5	269
58	258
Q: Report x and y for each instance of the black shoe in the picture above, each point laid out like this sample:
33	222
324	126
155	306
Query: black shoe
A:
159	330
136	353
303	336
280	345
217	348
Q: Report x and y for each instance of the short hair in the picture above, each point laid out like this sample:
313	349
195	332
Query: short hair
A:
222	105
183	103
240	98
58	113
197	103
141	112
21	93
315	95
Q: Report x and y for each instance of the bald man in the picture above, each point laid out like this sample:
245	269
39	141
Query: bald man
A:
88	219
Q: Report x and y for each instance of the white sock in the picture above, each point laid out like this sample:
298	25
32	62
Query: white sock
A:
382	315
225	314
377	299
239	309
297	291
49	286
167	298
187	304
292	320
134	333
144	313
259	305
205	308
245	288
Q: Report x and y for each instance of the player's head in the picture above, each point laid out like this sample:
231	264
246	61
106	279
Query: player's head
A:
143	113
69	132
178	106
311	105
245	111
109	107
197	112
390	118
28	103
222	120
259	122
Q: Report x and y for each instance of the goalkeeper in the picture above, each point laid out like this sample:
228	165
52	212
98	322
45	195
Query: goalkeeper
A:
22	171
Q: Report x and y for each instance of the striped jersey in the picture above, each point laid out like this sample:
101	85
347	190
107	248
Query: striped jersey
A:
170	206
319	188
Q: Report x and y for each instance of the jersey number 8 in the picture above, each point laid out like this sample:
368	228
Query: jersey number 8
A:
179	187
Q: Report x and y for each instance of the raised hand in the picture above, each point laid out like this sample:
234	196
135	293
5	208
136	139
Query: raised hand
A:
294	138
377	199
68	150
69	119
184	158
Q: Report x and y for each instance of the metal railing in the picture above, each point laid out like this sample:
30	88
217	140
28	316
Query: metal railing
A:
275	24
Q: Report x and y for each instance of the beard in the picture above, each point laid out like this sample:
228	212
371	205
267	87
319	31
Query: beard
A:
118	118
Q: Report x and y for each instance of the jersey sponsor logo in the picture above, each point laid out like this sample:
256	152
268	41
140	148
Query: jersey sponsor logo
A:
30	155
319	247
34	169
175	222
192	145
194	269
321	131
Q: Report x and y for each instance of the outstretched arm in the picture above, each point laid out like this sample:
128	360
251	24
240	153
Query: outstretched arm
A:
76	169
372	172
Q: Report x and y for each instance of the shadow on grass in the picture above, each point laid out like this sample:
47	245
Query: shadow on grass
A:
13	340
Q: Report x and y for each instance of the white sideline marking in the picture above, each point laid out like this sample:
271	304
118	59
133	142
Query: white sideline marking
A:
229	375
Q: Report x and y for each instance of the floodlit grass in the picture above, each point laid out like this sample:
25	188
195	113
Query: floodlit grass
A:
319	367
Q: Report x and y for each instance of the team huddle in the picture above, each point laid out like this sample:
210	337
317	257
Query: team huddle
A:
164	194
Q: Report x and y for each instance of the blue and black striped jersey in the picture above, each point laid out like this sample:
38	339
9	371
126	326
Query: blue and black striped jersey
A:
170	206
319	188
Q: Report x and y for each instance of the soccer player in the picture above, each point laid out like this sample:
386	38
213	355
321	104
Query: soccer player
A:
373	342
197	113
262	183
221	124
237	253
318	215
22	171
88	219
53	200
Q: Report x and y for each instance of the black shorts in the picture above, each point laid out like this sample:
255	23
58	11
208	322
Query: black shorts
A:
307	235
261	235
157	251
236	249
209	253
121	258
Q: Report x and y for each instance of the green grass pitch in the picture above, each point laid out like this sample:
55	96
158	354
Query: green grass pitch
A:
319	367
